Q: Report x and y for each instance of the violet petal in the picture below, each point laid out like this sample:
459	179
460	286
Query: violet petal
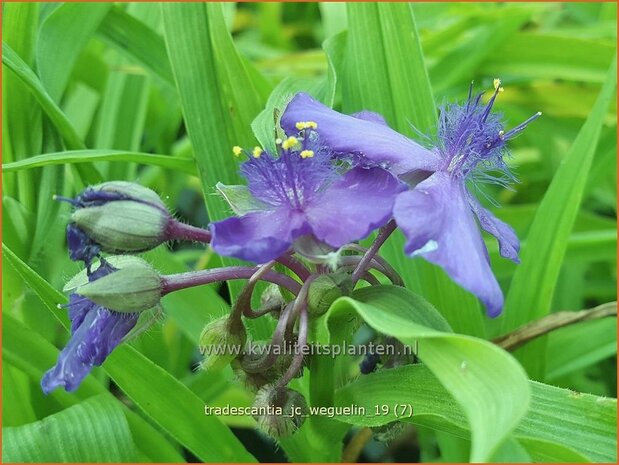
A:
353	206
258	237
440	227
377	144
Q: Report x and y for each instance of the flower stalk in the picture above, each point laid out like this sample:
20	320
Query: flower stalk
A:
175	282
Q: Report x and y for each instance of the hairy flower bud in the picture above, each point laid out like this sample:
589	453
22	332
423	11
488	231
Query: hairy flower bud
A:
284	410
220	343
122	216
133	286
324	290
116	216
272	298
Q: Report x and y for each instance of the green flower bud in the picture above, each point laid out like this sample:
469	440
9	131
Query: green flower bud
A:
251	381
119	217
272	298
324	290
123	225
221	343
135	286
283	410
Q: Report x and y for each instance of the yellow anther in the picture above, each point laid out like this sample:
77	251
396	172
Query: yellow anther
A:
306	125
256	152
290	142
236	150
497	85
307	154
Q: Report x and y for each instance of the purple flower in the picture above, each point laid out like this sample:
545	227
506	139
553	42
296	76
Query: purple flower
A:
303	192
438	214
95	332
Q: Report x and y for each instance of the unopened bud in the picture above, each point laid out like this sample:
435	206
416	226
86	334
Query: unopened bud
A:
251	381
272	298
134	286
123	225
282	410
324	290
221	343
121	217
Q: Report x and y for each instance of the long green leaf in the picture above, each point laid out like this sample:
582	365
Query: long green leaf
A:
531	291
219	97
73	436
211	118
183	165
581	423
21	132
27	76
62	36
551	55
488	384
137	41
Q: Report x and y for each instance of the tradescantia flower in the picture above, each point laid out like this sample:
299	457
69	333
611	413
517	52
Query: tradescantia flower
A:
95	329
302	192
438	214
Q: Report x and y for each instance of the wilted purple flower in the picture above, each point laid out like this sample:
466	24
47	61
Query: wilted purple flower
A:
302	192
438	214
95	332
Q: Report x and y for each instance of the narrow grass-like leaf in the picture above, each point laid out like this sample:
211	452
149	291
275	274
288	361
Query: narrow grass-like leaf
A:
73	435
183	165
385	72
218	95
137	41
62	36
456	67
174	407
548	56
597	340
27	76
486	381
187	35
21	114
531	291
584	423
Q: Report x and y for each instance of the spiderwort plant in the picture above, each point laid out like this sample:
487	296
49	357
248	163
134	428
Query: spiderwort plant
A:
437	214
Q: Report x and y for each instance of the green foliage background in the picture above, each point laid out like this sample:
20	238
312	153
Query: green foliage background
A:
159	93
